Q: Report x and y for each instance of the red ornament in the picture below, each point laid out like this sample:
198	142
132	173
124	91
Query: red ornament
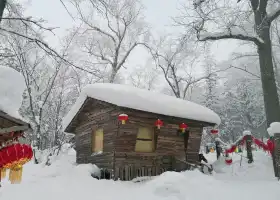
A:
214	131
123	118
228	160
158	123
183	127
15	155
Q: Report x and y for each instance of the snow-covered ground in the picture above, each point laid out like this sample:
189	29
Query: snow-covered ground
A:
63	180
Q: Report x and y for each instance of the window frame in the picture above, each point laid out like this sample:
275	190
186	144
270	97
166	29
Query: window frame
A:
93	140
153	139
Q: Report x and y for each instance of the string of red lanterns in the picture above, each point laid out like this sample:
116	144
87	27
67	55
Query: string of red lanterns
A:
158	123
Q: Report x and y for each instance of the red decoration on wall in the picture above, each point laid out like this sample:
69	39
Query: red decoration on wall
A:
123	118
158	123
183	127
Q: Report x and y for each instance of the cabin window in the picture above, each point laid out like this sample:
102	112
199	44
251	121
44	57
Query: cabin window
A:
97	141
145	141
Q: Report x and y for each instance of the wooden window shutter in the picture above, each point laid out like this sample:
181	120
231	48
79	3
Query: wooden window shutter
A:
97	140
145	141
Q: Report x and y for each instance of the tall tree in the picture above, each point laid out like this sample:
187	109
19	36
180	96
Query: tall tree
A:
111	40
249	21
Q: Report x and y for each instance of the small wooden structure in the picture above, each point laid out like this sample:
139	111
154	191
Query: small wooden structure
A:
10	127
137	148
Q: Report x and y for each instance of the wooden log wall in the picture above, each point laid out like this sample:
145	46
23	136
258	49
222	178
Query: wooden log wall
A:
170	145
96	114
193	145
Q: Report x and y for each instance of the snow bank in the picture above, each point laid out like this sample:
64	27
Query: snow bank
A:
273	128
65	180
141	99
12	86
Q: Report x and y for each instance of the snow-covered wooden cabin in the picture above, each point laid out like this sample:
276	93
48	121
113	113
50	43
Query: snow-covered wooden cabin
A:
151	140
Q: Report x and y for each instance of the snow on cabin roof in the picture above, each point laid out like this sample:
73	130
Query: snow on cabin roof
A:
144	100
12	86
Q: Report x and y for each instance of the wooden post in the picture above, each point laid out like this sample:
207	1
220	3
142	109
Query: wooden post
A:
218	149
114	153
273	154
248	140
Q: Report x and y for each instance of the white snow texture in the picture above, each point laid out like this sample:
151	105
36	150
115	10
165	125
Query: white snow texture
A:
64	180
12	86
273	128
144	100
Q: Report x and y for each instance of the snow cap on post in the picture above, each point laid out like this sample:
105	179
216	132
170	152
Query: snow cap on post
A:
273	128
247	133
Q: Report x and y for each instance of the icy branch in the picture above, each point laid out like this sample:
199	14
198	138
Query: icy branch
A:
222	35
273	15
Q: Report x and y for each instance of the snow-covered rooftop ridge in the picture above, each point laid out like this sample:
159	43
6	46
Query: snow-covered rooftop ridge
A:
12	86
144	100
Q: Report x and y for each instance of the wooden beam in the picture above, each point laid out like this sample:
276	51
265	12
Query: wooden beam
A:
14	129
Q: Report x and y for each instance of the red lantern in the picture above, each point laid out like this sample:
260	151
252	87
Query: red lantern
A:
158	123
183	127
123	118
214	131
13	157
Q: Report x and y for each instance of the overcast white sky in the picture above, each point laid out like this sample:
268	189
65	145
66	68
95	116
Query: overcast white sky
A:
157	13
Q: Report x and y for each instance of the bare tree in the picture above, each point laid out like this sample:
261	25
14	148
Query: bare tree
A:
144	77
178	60
120	30
15	24
246	20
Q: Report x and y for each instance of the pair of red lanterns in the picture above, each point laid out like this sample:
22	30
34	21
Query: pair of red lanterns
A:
158	123
13	157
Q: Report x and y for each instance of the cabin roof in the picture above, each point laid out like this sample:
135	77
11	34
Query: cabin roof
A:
144	100
12	119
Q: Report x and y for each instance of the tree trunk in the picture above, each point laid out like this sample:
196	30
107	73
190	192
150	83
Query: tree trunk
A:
113	76
2	8
271	101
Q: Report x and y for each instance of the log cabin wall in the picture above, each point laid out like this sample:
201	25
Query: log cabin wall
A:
170	146
96	114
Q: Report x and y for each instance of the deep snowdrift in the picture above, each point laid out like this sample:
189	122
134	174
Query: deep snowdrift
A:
63	180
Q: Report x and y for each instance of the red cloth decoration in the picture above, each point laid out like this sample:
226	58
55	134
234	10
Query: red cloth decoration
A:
270	146
214	131
231	149
15	155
